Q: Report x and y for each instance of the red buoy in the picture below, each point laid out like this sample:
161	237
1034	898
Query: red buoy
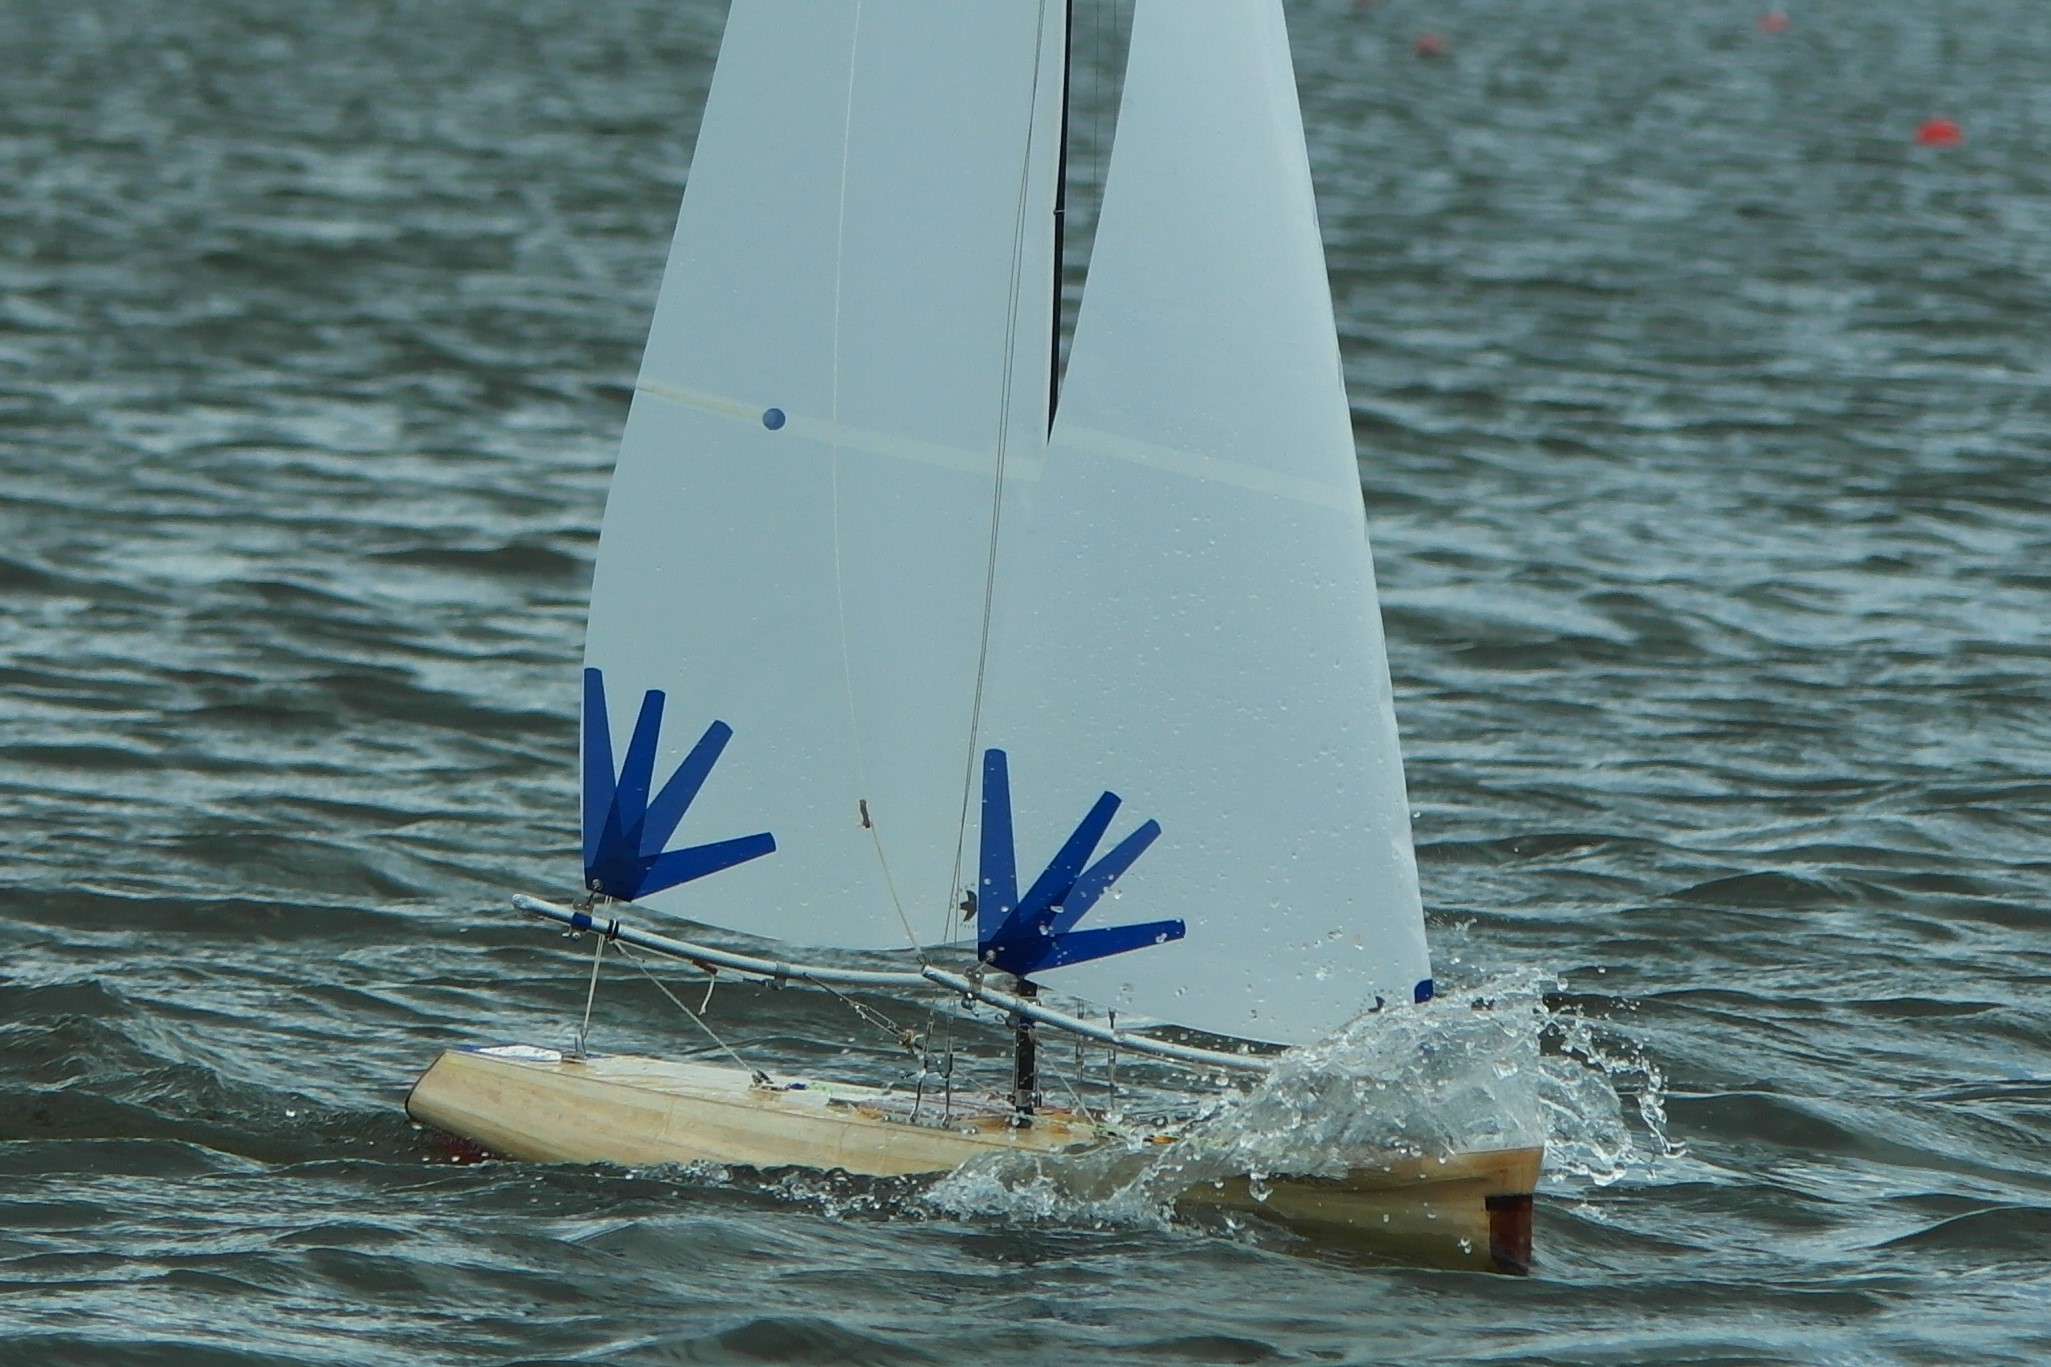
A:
1940	133
1773	21
1431	45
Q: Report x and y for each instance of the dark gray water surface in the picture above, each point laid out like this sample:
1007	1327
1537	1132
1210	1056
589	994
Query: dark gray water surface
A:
1703	432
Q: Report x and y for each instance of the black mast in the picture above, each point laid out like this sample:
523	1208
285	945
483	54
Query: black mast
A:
1025	1062
1060	215
1025	1070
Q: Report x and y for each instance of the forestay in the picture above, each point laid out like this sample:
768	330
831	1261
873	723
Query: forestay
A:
1187	612
852	325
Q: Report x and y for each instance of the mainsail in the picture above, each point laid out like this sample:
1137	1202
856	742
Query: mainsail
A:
852	328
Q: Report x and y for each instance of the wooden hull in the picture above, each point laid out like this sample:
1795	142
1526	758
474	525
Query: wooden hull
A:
1465	1210
626	1109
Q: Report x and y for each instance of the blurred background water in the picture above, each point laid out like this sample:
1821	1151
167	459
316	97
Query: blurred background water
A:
1703	439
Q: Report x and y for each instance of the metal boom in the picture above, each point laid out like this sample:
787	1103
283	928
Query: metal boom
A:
967	985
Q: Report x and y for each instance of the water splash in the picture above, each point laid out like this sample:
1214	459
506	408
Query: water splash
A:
1491	1066
1590	1067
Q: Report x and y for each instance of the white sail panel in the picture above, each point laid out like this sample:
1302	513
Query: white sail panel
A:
865	247
1187	604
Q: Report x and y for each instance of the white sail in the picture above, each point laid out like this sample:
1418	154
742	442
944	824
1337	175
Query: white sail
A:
1187	606
853	322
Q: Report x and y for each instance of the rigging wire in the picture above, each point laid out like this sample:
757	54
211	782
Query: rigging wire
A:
905	1038
590	995
1074	1083
757	1074
854	717
1111	1068
912	1041
1018	241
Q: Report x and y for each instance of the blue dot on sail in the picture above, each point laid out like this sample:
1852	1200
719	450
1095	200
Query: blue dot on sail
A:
772	418
1423	992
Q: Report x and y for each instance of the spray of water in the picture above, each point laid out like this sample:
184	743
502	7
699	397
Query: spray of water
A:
1491	1066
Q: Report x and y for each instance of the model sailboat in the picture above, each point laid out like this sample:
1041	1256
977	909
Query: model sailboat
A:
874	616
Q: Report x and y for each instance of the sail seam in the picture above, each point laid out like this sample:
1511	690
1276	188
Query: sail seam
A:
684	398
1211	469
840	436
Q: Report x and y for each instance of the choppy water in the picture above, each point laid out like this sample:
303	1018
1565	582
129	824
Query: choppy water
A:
1704	442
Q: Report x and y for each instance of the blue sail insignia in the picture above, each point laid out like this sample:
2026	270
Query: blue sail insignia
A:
625	832
1029	934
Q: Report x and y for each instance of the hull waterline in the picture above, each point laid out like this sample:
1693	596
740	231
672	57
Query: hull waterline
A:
1460	1210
